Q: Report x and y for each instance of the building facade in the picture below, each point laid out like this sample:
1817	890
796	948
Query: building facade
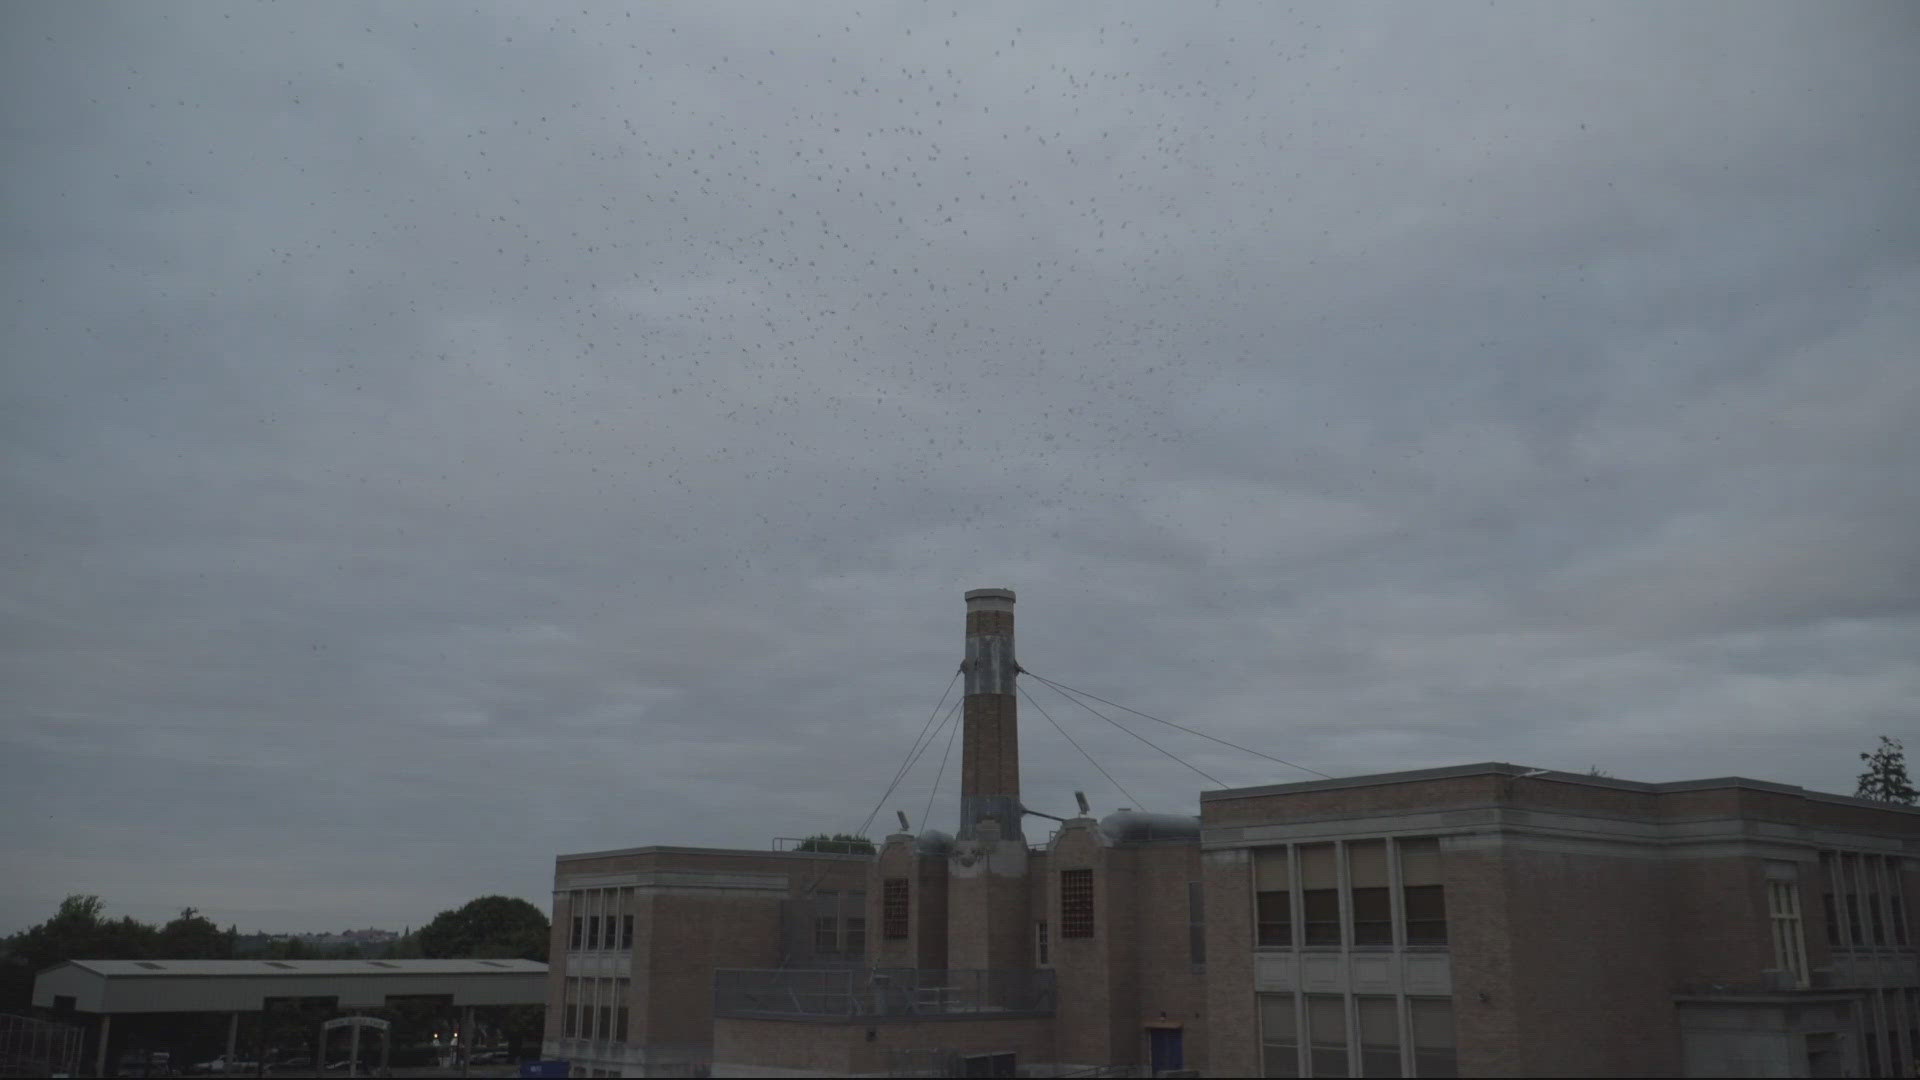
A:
1501	921
1482	920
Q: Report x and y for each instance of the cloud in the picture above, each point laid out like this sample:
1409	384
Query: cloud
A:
435	439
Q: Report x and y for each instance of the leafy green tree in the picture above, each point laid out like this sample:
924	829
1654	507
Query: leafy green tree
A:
193	936
492	928
1886	777
838	843
488	928
79	930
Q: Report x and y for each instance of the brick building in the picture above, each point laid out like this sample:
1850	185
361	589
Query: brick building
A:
1482	920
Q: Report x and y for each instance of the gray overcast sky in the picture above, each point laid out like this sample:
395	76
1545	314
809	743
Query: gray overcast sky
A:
435	438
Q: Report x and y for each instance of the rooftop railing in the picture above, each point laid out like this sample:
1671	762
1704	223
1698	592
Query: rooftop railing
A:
794	994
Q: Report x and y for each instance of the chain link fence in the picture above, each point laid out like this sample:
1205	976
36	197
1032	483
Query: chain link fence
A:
30	1047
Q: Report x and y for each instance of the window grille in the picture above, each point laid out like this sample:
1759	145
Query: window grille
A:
1076	903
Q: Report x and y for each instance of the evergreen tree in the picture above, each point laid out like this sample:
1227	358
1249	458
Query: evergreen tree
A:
1886	777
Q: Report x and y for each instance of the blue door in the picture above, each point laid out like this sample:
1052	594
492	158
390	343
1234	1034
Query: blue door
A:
1165	1045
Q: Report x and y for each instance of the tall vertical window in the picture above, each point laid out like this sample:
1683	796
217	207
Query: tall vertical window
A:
1424	895
1372	902
893	908
1040	944
573	943
856	935
570	1008
1319	895
620	1016
1327	1034
1076	903
1196	923
1273	899
1789	941
1829	900
1870	870
593	932
1433	1039
826	934
1379	1036
626	932
1279	1036
1849	866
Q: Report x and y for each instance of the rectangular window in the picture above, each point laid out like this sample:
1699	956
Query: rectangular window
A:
1789	941
856	935
593	932
1279	1036
1076	903
826	934
1433	1045
1875	916
1379	1036
1899	916
1196	923
570	1008
1319	895
620	989
605	1028
1371	900
1423	892
1829	901
573	943
1849	867
893	908
1273	899
1327	1034
1040	956
626	932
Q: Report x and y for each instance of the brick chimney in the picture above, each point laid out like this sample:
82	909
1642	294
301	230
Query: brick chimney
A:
990	756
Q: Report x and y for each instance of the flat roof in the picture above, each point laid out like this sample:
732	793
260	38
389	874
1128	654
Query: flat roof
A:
121	969
739	853
158	986
1501	768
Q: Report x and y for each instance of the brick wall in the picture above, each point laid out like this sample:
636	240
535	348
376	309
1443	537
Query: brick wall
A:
1084	965
1719	929
1592	965
1167	986
1352	802
1232	1035
1480	937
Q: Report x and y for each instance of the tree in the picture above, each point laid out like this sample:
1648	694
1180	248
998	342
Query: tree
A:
193	936
837	843
1886	777
493	928
77	931
489	928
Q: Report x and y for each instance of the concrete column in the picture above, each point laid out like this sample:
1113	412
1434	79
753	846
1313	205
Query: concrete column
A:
233	1034
353	1052
466	1040
100	1055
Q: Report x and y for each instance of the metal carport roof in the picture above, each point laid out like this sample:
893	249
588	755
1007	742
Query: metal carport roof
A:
161	986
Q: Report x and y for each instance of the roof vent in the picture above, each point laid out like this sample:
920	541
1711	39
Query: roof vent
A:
149	965
278	964
494	963
382	963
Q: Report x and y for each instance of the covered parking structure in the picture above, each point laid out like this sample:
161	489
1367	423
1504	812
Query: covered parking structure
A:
109	988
